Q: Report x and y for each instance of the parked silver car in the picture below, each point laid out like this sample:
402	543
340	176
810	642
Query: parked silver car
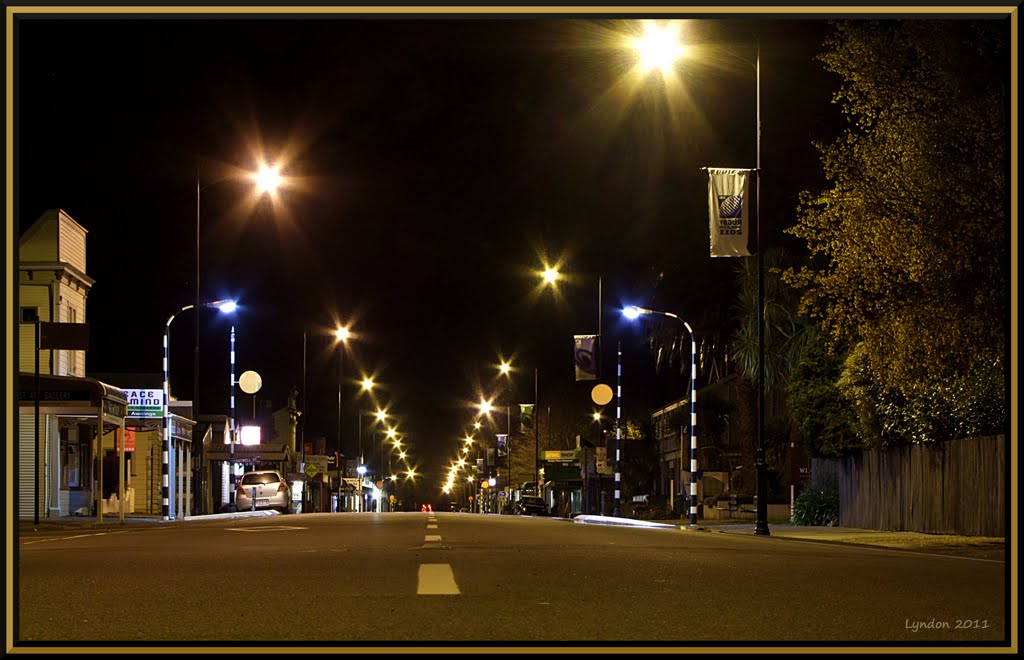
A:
267	487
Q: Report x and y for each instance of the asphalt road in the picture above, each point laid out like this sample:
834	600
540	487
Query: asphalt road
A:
405	579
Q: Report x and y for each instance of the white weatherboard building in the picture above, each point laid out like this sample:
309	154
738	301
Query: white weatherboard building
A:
78	458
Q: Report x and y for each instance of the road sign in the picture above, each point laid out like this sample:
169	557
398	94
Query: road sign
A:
311	470
318	462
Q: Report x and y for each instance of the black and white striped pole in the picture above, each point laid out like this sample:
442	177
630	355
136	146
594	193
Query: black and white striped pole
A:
226	306
633	312
231	423
618	435
165	493
693	426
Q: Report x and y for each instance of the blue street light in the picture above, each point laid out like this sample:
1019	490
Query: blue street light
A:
225	306
633	312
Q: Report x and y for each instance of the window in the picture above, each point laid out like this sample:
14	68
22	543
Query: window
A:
29	314
72	355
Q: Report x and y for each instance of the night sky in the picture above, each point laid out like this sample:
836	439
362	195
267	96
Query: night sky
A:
433	165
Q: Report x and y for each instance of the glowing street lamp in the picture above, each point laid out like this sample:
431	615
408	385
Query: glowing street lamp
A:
268	187
342	334
268	178
659	48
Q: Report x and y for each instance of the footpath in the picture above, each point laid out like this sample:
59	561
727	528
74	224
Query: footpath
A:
974	547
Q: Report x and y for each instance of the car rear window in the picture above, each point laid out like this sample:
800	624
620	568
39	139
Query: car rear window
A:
260	478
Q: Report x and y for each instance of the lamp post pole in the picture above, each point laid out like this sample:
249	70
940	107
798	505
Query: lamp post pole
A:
536	436
195	366
341	361
231	421
761	525
342	333
302	420
618	435
634	312
165	495
508	452
225	306
195	358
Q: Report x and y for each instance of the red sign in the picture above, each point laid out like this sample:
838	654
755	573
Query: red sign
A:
129	441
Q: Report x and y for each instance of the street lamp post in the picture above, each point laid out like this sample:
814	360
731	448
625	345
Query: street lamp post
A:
267	180
657	51
226	306
342	334
231	421
302	420
634	312
761	525
551	276
618	435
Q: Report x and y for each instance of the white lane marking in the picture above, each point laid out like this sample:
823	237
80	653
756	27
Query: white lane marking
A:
436	579
431	526
432	538
272	528
67	538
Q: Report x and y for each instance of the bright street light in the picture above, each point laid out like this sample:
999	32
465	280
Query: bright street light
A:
656	48
197	294
659	47
342	334
267	179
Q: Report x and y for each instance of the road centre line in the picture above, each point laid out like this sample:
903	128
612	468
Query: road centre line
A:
432	538
436	579
431	526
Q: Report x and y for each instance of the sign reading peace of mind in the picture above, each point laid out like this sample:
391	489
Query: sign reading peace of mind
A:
250	382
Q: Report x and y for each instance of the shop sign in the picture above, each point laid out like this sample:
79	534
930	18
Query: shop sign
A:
145	403
55	395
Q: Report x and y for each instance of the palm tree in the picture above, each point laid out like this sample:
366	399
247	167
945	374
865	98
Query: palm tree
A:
786	334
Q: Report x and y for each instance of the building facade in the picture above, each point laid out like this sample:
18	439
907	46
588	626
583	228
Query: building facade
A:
71	429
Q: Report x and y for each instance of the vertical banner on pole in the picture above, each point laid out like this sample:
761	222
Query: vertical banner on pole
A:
729	211
583	357
525	417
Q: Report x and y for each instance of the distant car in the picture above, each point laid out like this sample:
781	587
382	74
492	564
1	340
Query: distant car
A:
531	505
270	488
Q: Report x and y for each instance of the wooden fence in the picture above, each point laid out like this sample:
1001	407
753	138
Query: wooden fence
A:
955	487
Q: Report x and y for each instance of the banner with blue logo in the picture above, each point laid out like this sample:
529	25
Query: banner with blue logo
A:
729	209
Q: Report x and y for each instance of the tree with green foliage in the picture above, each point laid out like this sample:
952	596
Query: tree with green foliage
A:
908	241
825	417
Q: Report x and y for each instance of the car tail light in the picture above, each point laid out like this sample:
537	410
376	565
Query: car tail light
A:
282	487
240	490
